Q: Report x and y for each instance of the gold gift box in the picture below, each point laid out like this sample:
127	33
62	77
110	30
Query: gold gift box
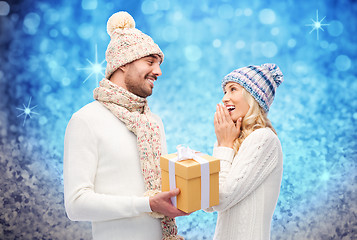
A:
188	180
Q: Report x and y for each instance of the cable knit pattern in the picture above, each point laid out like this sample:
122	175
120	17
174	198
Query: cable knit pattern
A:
249	187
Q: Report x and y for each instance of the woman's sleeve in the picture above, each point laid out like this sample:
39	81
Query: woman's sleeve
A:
225	155
80	162
256	159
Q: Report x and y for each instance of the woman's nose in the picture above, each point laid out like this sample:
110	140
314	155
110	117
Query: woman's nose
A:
225	98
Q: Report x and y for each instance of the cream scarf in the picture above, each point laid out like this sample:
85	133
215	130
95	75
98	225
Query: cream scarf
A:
135	113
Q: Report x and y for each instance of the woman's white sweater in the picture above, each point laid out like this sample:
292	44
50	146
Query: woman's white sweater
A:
103	182
249	187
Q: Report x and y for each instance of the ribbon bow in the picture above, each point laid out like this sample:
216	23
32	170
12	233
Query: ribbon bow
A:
184	153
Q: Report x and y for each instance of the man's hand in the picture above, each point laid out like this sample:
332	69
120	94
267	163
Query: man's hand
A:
161	203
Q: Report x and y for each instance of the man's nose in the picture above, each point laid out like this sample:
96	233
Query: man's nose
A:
157	70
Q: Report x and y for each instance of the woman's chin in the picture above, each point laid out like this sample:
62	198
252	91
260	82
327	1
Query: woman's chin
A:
235	118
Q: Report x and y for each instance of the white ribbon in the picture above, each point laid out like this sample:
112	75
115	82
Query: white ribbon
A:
184	153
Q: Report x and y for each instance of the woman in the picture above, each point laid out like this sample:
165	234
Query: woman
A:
250	154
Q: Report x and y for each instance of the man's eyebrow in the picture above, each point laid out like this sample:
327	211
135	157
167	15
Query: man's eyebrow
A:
157	57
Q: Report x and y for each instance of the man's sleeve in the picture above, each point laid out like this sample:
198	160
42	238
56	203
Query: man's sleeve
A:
80	161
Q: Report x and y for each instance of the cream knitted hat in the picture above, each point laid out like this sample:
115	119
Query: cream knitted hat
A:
127	43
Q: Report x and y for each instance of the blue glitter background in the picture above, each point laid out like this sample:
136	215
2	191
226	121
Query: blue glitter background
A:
52	57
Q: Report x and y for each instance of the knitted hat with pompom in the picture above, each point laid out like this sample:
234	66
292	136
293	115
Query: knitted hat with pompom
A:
127	43
260	81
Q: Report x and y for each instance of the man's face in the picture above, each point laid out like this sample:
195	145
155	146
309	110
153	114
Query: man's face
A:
141	74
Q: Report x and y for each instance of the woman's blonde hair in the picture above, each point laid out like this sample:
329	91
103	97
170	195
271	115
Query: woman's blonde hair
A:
255	118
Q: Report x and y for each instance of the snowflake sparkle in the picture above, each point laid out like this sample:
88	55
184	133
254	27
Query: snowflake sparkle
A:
27	111
317	25
95	68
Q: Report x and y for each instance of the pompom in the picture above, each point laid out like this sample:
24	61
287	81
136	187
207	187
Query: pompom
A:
120	20
275	72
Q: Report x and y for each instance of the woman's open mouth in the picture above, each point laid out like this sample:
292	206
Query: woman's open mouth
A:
230	108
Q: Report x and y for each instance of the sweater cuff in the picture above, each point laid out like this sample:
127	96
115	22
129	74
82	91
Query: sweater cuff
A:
142	204
224	153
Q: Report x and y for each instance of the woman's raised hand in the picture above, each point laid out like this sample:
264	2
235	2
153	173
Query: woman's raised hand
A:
226	130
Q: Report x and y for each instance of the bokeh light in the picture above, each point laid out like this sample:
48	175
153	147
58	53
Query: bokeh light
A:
267	16
4	8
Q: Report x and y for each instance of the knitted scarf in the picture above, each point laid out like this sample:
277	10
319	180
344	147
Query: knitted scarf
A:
135	113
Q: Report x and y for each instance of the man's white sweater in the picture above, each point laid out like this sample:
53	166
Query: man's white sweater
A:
103	182
249	187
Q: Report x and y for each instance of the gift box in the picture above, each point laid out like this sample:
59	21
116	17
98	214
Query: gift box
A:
186	175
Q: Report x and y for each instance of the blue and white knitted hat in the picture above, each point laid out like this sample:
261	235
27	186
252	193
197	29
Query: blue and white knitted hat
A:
260	81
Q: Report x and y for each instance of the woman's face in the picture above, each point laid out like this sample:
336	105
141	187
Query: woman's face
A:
234	101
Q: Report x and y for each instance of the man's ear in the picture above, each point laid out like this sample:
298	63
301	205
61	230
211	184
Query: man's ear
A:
123	68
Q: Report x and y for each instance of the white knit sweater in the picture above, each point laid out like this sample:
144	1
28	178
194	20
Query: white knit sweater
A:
103	182
249	187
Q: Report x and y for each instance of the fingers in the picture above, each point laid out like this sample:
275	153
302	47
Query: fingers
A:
174	192
215	120
161	203
239	123
218	114
179	213
174	212
224	114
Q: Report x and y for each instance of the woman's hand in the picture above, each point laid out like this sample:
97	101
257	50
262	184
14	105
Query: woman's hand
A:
226	130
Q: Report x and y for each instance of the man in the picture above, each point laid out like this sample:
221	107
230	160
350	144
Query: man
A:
113	145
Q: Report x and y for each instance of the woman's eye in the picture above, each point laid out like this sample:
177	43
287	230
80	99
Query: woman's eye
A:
233	89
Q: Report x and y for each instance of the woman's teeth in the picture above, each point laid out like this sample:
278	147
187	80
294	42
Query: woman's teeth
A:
230	108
